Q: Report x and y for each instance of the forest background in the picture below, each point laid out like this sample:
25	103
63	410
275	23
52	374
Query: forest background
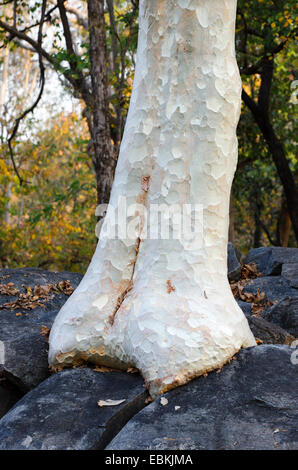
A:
67	71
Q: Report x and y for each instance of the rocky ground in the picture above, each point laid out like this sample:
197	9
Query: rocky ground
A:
250	404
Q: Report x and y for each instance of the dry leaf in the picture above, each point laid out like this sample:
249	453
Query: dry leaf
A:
45	331
109	402
132	370
36	298
105	369
163	401
8	289
259	341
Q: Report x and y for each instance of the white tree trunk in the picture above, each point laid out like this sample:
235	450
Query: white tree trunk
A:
165	306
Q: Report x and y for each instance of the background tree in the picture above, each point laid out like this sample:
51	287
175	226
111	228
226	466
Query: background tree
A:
265	35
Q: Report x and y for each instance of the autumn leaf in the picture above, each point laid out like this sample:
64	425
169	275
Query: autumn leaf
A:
45	331
105	369
8	289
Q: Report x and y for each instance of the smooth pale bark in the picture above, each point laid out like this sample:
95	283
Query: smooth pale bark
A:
180	138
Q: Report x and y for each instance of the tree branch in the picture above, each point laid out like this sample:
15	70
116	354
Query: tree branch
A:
33	106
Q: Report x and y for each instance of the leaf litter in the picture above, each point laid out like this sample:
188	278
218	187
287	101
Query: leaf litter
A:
258	301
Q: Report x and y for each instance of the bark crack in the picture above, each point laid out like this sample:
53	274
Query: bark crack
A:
123	294
145	183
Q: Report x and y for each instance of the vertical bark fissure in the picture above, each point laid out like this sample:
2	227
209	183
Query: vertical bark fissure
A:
122	296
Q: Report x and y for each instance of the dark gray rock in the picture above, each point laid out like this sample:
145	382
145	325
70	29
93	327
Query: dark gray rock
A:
274	287
234	266
251	404
26	362
245	307
264	330
269	260
285	315
268	332
8	397
62	412
290	273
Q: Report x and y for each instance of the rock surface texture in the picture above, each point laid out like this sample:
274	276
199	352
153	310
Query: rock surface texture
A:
62	412
25	348
234	266
250	404
270	260
279	284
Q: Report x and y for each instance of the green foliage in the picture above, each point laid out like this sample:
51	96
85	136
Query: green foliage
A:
262	26
51	220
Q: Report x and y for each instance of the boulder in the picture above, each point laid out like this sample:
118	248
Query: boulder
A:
285	315
8	397
290	274
270	260
25	347
234	266
245	307
274	287
251	404
62	412
268	332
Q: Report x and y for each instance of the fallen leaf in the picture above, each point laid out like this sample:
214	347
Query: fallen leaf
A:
109	402
8	289
45	331
36	298
132	370
259	341
105	369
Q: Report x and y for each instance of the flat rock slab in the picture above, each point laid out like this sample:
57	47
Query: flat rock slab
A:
62	412
290	273
270	260
25	348
268	332
251	404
